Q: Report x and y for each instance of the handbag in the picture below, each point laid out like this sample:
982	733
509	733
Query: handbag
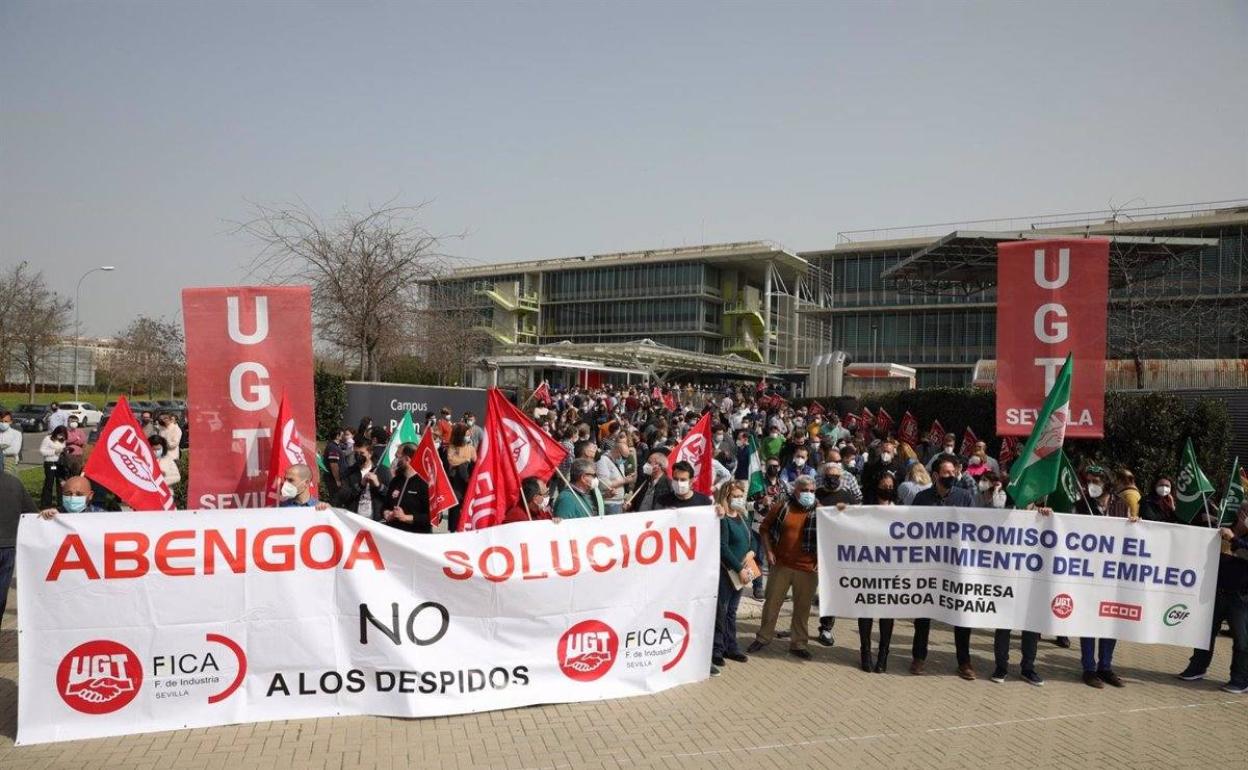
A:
749	563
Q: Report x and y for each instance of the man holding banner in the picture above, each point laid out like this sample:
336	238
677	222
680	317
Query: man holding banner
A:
1230	604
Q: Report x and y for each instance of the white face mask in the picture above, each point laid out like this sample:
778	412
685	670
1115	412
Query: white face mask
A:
975	460
886	457
984	486
1163	490
680	487
799	461
998	499
288	491
737	504
647	469
542	502
593	483
1095	490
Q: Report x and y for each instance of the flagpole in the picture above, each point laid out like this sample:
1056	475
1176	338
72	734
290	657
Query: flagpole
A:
572	490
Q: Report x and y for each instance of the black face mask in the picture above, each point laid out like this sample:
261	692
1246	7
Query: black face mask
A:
832	482
884	493
359	458
773	470
945	482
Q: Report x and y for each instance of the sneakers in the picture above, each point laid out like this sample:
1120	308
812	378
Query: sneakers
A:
714	671
803	654
739	657
967	672
755	646
1234	689
998	676
916	667
1191	675
1110	678
1092	680
1033	679
825	637
718	660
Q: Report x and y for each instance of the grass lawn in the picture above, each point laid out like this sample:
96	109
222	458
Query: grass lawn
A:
32	479
12	398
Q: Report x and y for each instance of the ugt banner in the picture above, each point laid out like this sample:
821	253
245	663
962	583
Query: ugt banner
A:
1051	301
245	347
1064	574
134	624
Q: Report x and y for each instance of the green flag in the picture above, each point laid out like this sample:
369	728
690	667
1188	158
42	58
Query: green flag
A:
1191	487
757	485
404	434
1063	498
1036	470
1234	496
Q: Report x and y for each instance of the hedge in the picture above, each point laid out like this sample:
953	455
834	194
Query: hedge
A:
330	394
1143	431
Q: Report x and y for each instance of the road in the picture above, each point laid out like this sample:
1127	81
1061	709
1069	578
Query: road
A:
772	712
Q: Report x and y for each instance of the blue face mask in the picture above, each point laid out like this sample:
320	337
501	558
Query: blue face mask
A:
3	427
806	499
74	503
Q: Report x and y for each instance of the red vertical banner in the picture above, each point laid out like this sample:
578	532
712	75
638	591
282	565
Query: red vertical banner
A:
1052	299
245	346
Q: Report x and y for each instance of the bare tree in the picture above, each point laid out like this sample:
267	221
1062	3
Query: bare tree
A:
363	268
35	319
150	355
452	342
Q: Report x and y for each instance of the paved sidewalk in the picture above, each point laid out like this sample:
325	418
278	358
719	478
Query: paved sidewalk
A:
773	711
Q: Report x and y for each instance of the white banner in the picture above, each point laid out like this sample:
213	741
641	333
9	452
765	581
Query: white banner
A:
133	623
1064	574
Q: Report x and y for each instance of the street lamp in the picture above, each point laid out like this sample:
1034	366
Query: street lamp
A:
77	328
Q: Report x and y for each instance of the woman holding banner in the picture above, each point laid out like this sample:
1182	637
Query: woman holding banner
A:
1098	654
885	494
737	570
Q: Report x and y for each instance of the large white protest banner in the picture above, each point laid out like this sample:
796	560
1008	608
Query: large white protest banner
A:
1062	574
132	623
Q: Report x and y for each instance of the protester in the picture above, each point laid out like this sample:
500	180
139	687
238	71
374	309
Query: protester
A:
296	489
148	426
57	418
885	494
1159	505
847	481
1230	605
407	496
1097	655
533	505
789	539
333	458
76	497
1127	490
473	432
979	457
10	442
734	549
14	501
365	484
883	461
51	449
654	483
798	467
917	480
947	447
990	490
461	459
172	433
944	492
682	494
612	480
581	498
168	465
774	493
75	439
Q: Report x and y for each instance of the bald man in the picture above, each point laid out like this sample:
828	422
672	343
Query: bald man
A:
76	494
296	489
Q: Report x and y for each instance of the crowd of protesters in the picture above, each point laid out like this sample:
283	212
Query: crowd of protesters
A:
618	441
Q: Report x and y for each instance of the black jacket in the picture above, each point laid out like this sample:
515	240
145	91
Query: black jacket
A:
14	501
411	494
353	485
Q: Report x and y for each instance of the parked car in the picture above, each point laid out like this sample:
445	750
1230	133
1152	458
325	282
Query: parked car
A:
86	413
31	418
172	405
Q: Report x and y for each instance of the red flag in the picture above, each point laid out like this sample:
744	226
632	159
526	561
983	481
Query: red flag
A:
884	421
968	442
909	430
695	448
762	385
428	467
1009	450
656	394
124	464
513	449
816	408
850	422
542	394
868	419
936	433
287	450
669	402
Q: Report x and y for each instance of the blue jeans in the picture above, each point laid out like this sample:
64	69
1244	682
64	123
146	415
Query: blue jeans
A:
1092	650
726	617
7	558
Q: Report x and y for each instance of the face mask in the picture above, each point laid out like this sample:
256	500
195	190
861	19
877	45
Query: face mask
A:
288	491
831	482
884	493
772	470
647	469
976	460
719	439
886	457
1095	490
359	459
4	426
949	449
541	502
946	481
737	504
998	499
471	423
1162	490
73	425
806	499
799	461
158	452
984	486
74	503
593	483
680	487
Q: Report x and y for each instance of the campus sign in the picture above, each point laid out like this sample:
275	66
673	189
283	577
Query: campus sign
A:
134	624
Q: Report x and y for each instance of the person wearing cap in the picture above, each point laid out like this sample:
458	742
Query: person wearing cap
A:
1097	655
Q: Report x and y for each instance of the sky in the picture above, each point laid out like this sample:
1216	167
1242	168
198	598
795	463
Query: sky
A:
134	134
